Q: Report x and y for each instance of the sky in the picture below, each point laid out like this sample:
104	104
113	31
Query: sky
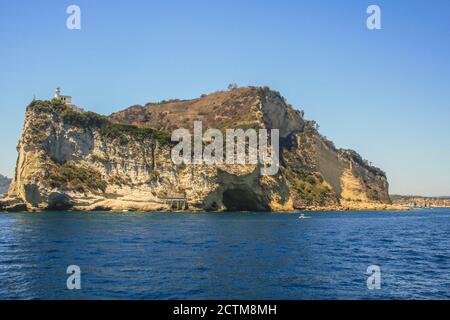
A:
384	93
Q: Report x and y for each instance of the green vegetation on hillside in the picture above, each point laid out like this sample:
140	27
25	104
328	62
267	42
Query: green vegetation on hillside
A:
46	106
312	192
112	130
107	129
69	176
83	119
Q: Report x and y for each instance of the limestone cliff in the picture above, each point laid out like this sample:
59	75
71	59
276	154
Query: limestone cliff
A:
68	159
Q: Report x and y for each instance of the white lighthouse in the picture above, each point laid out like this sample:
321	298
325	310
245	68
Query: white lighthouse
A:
66	99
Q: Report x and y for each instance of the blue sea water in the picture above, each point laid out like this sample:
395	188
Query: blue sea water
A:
225	256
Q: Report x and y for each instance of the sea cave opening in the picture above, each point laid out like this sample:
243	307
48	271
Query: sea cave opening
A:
241	200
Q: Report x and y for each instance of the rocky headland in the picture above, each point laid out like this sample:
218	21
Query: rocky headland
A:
69	159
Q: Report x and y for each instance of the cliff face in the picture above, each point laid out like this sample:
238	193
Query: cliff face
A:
79	160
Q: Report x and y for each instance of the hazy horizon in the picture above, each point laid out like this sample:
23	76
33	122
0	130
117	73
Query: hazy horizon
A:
383	93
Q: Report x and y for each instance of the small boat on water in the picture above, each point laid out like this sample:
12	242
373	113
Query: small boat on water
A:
302	216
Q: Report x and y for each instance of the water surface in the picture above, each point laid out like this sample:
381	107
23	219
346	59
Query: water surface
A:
225	256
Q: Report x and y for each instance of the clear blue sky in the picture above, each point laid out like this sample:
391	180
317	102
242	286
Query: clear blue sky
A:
384	93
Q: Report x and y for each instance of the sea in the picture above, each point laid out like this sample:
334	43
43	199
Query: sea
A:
232	255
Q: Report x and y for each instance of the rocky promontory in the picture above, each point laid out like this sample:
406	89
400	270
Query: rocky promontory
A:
69	159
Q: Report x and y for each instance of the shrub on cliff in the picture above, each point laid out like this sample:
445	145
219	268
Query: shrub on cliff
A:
311	191
69	176
83	119
86	120
46	106
122	131
112	130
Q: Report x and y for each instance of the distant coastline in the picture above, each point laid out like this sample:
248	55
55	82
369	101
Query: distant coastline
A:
4	185
421	201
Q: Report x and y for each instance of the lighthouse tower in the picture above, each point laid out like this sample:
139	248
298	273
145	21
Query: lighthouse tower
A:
57	93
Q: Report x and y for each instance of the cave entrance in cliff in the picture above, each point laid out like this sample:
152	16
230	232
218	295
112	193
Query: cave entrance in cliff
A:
239	199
